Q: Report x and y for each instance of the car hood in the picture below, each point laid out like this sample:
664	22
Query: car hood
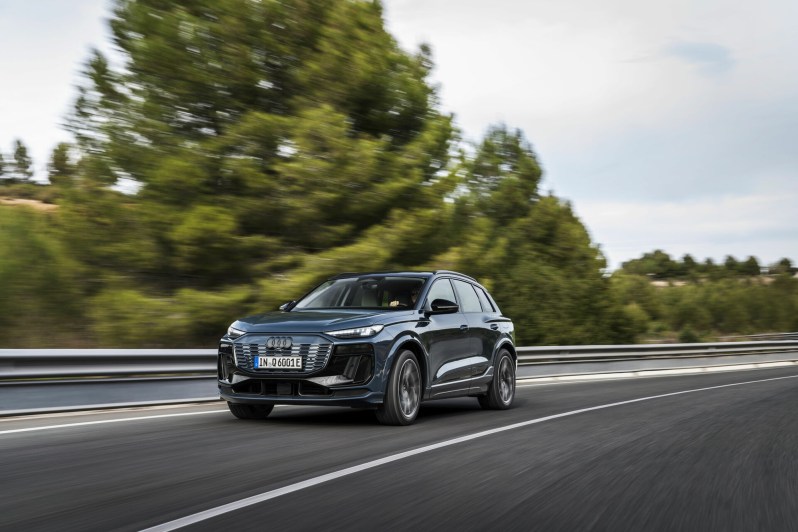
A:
316	321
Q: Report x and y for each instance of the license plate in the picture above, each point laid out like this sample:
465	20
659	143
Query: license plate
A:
278	362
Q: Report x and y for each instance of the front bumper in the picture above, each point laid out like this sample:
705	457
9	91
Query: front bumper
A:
346	377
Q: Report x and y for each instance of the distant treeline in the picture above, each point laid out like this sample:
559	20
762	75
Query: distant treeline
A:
685	300
248	150
660	265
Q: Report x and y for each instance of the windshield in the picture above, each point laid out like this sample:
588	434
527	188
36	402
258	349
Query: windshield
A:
374	292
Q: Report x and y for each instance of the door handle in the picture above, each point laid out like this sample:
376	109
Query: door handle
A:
494	326
464	327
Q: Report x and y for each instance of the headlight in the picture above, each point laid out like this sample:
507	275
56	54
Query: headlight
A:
360	332
234	333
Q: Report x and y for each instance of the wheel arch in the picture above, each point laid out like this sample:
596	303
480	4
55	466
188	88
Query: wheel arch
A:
508	345
412	344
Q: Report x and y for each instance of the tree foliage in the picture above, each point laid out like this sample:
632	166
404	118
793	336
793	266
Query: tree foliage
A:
39	280
61	169
19	168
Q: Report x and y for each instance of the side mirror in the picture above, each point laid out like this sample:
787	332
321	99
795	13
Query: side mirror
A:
443	306
285	307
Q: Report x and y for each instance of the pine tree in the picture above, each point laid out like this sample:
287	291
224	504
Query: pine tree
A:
60	169
22	165
303	121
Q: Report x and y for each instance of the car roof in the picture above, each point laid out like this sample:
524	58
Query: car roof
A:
347	275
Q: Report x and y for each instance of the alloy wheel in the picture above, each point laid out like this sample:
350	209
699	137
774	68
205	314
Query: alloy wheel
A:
409	388
506	381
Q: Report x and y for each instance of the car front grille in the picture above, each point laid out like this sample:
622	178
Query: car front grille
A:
314	352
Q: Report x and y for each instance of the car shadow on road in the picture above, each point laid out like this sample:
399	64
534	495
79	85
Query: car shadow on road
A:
432	411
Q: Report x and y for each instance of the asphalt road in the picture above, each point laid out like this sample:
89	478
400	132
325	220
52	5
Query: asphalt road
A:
716	459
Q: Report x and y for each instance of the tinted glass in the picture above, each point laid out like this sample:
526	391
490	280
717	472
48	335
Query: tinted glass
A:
442	289
388	292
483	298
469	302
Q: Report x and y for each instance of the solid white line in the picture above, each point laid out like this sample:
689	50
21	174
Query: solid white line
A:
731	368
315	481
122	419
775	364
116	420
106	406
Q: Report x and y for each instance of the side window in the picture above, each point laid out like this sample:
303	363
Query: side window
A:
483	298
442	289
469	302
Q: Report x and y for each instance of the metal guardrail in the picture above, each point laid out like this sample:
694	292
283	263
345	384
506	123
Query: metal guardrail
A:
763	336
606	353
57	365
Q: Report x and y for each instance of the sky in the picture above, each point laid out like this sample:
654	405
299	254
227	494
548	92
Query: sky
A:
667	125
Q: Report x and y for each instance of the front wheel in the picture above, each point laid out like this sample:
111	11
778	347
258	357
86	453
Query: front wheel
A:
403	396
502	388
250	411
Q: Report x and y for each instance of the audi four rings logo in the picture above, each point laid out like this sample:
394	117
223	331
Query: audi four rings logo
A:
278	342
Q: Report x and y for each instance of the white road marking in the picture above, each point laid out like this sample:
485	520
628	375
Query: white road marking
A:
95	411
732	368
92	409
315	481
122	419
116	420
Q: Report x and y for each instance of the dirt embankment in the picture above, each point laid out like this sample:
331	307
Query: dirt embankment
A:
34	204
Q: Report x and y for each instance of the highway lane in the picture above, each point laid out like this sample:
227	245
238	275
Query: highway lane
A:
719	459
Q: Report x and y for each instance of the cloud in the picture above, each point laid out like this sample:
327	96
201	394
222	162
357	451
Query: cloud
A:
667	124
713	59
45	44
760	224
733	148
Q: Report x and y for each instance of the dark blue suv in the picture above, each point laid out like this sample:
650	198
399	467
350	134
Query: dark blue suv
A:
386	341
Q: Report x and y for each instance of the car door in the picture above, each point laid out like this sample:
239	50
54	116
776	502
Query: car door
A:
481	335
492	325
446	339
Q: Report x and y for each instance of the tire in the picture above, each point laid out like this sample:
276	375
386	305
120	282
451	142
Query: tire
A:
403	396
250	411
501	391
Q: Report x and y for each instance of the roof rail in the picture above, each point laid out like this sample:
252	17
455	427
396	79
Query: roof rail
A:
455	273
345	274
383	272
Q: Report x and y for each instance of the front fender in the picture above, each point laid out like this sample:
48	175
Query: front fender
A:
408	340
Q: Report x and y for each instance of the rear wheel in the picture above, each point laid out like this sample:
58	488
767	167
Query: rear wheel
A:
502	388
403	396
250	411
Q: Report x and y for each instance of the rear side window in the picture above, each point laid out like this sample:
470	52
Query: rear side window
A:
483	298
469	302
442	289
